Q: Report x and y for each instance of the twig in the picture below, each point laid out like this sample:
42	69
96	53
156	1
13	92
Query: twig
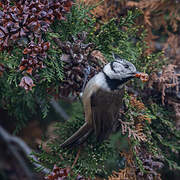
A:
61	157
59	109
76	159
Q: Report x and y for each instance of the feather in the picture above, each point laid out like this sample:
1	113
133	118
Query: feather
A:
78	137
105	107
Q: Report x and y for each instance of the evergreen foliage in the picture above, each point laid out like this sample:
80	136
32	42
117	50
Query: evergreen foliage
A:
143	137
147	131
92	156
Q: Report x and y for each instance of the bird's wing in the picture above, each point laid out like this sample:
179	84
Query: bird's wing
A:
105	107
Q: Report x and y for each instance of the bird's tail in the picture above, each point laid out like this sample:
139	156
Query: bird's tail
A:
78	137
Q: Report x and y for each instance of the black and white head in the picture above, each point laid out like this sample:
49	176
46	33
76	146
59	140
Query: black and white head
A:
120	69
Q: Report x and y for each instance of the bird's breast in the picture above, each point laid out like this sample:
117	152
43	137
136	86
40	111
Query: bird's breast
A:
104	95
98	82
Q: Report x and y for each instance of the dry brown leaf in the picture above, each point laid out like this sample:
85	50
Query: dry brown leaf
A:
99	56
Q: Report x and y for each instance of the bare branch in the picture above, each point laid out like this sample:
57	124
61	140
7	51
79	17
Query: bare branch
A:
11	141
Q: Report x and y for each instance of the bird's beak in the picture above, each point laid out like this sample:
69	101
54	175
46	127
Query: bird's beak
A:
143	76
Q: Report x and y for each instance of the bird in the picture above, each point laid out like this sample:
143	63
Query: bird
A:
102	99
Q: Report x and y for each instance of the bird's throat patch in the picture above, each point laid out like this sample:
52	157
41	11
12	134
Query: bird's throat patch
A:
113	84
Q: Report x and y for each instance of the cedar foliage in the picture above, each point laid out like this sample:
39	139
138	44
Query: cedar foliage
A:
142	127
51	63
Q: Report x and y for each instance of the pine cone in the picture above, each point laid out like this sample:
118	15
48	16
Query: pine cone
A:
26	83
77	59
58	173
28	18
34	56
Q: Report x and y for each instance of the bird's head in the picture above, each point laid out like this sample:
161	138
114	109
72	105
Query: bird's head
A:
120	69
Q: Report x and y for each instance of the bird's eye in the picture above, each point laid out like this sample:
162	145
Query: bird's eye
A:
126	66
